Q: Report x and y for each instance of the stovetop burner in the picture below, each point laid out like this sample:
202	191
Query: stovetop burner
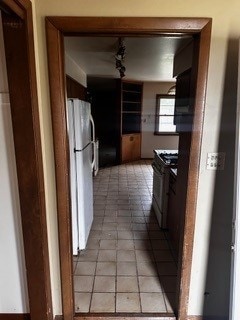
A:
168	157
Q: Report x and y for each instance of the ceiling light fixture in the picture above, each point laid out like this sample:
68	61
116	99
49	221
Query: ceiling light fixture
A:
119	57
172	90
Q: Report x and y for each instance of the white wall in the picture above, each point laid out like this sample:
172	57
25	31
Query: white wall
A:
149	140
13	293
73	70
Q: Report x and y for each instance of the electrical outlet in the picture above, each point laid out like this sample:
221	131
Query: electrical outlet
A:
216	160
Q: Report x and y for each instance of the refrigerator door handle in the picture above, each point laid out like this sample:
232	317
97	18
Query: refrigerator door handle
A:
93	141
94	155
93	128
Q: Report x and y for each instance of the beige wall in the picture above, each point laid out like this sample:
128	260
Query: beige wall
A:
149	140
73	70
214	200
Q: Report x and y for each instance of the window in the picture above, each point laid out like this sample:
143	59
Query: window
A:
165	114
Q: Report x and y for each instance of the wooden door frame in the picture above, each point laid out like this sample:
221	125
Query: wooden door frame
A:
56	29
20	60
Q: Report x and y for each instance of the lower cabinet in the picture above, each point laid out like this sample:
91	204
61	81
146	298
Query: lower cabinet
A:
131	147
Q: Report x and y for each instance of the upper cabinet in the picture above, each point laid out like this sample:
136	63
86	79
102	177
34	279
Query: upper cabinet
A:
184	102
182	70
75	89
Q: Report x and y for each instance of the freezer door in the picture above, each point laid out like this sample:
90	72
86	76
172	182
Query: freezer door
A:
84	194
82	126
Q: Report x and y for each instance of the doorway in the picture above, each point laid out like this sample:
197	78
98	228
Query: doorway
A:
125	236
57	27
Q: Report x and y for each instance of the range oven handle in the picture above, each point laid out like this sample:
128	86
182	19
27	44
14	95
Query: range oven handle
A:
155	169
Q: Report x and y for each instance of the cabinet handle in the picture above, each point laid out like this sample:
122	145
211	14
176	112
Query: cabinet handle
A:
131	138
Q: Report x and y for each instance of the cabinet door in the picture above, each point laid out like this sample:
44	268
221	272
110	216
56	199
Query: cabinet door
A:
173	215
131	147
184	102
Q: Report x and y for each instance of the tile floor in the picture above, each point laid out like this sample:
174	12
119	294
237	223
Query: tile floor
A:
128	265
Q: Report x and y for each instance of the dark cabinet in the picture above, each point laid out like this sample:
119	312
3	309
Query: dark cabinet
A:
184	102
75	89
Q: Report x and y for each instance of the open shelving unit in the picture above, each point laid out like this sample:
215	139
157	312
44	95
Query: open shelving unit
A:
131	110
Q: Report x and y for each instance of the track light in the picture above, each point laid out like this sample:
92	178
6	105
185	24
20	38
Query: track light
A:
119	57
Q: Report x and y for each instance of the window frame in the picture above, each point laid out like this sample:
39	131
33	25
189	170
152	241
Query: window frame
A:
157	115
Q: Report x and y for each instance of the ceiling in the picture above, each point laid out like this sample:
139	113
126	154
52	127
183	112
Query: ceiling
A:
146	59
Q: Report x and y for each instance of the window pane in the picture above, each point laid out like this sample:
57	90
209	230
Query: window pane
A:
165	114
166	124
166	106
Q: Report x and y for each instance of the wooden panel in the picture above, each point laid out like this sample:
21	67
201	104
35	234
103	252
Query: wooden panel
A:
131	147
19	49
75	89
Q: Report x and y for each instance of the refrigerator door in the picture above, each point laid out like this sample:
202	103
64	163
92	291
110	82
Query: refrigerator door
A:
82	113
84	194
73	178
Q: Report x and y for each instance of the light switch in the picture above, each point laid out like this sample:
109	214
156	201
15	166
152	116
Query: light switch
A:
216	160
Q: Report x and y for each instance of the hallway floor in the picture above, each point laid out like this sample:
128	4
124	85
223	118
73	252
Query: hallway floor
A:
128	265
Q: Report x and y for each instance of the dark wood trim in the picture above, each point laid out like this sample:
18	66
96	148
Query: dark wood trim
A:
58	106
20	59
128	26
17	7
56	27
15	316
199	75
127	316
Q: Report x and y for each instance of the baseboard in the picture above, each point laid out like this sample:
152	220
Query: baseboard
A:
58	318
15	316
195	318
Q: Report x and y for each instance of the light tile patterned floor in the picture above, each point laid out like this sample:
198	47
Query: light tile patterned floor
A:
128	265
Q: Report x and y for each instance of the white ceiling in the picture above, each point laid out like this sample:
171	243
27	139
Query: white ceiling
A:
146	59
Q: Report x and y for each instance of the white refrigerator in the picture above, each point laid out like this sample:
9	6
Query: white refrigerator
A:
81	134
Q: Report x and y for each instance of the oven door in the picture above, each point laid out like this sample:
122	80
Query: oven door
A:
158	186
